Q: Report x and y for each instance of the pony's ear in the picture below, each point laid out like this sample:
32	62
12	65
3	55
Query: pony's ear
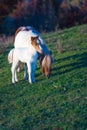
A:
34	38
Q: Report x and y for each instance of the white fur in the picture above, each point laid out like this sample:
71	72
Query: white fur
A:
44	47
23	39
25	55
10	56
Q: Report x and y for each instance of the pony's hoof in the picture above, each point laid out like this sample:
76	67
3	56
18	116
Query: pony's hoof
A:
16	81
13	82
31	82
25	78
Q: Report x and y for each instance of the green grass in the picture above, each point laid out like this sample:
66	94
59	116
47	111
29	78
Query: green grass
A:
57	103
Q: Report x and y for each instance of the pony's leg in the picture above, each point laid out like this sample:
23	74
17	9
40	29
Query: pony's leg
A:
13	70
31	72
25	72
18	69
13	74
16	79
33	67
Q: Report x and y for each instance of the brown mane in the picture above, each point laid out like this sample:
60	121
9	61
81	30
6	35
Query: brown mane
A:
46	62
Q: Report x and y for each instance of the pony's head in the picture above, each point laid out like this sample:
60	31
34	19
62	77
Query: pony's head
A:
36	45
46	63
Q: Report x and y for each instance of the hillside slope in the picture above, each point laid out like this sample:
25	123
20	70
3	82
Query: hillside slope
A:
57	103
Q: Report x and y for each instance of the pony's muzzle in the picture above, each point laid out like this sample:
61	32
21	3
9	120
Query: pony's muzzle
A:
47	76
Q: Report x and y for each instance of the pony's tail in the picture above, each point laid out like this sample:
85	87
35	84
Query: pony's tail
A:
10	56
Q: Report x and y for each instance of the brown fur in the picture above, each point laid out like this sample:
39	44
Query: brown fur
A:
46	65
18	30
35	44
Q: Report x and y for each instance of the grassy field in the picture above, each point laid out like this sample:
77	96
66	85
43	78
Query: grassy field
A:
57	103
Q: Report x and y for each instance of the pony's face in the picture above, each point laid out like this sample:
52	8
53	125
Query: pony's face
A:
36	45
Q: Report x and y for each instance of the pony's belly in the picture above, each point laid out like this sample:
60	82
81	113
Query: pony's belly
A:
25	55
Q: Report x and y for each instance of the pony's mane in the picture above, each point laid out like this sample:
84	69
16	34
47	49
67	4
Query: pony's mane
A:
46	62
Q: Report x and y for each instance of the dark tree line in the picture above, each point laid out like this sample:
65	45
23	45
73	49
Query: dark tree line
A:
44	15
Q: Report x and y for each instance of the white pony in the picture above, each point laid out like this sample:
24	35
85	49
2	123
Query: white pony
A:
22	39
26	55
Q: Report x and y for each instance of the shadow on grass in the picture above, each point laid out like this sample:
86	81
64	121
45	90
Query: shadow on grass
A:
79	61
